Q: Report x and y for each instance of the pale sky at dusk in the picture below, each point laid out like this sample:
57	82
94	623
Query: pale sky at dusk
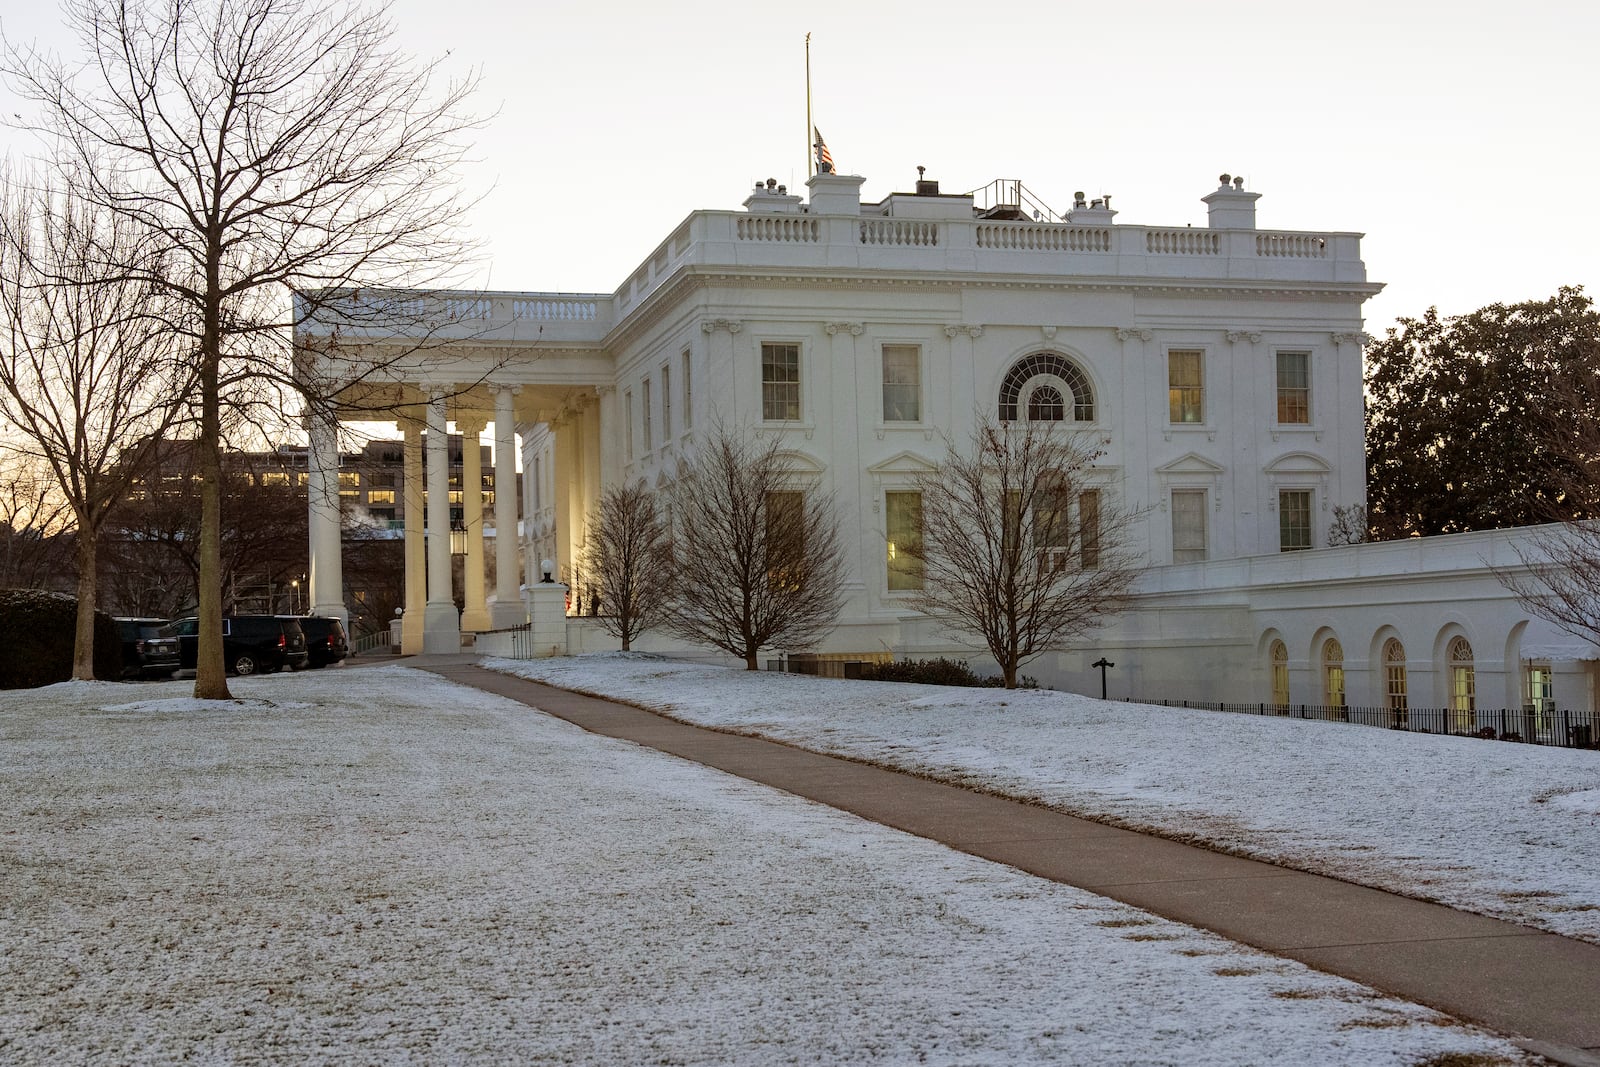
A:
1457	138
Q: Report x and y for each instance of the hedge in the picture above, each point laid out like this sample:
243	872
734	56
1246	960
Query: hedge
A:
36	635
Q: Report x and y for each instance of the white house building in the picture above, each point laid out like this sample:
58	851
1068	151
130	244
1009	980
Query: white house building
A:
1218	364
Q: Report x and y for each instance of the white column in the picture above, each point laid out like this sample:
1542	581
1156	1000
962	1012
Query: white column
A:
561	496
474	613
322	496
507	609
415	541
441	624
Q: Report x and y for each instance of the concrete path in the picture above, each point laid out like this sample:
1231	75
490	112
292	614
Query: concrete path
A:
1541	988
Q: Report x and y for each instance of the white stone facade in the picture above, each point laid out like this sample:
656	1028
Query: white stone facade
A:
1218	365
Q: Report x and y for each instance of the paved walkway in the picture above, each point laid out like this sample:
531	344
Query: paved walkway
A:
1539	987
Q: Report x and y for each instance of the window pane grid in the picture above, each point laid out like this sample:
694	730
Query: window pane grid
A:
903	525
1294	387
902	383
1185	386
1294	520
1280	673
1188	525
780	382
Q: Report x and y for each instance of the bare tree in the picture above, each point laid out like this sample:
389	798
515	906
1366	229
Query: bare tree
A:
1020	545
630	562
1559	579
36	542
86	368
271	147
1349	525
767	557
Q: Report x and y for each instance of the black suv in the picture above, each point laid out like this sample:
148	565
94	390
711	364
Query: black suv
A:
251	644
325	640
145	653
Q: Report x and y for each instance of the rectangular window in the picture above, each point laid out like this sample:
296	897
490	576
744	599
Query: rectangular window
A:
383	480
903	527
1089	529
1188	525
1052	529
785	528
1294	387
627	421
1294	519
645	400
1186	385
902	383
538	482
688	394
380	496
666	404
349	480
1541	691
275	478
1394	686
1280	682
780	382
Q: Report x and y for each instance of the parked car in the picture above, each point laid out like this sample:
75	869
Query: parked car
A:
251	644
325	640
145	653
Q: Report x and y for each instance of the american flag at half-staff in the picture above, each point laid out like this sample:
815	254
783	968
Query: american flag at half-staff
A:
824	157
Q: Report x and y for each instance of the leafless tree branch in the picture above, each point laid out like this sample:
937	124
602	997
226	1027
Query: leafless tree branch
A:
762	561
1021	544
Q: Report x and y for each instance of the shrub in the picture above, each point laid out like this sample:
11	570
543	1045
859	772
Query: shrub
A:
927	672
937	672
37	631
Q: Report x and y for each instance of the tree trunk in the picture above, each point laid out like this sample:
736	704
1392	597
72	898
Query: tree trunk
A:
211	675
750	663
83	642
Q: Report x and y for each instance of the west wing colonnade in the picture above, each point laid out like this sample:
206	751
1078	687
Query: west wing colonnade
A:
513	364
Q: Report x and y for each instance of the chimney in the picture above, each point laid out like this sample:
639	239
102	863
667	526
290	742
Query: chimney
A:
836	194
1230	207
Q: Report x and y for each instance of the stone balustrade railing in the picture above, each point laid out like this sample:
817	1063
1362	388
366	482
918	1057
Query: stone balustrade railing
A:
727	240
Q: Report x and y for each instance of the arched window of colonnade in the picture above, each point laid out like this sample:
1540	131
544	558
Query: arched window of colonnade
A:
1333	673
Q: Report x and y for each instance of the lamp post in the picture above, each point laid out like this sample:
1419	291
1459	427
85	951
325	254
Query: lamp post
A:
1102	663
294	585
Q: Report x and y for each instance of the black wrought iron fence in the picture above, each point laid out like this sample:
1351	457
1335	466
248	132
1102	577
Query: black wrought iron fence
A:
1565	728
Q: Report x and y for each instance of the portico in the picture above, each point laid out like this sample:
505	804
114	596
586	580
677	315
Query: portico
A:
461	383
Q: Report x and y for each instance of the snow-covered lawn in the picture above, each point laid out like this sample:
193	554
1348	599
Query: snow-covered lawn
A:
1502	829
377	866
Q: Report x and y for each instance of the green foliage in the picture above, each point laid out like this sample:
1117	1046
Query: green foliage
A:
1467	415
36	631
937	672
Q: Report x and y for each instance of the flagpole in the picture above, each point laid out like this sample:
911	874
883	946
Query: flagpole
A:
811	161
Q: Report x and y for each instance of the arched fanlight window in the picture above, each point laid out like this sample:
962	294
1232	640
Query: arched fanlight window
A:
1463	683
1045	404
1280	674
1333	672
1060	375
1394	674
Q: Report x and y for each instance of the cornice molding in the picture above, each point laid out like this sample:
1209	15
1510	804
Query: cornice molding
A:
1135	333
854	328
1253	336
713	325
970	329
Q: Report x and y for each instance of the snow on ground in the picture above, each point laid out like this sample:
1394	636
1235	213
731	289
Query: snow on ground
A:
1502	829
379	866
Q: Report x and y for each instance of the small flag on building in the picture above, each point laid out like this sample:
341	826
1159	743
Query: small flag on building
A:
824	157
